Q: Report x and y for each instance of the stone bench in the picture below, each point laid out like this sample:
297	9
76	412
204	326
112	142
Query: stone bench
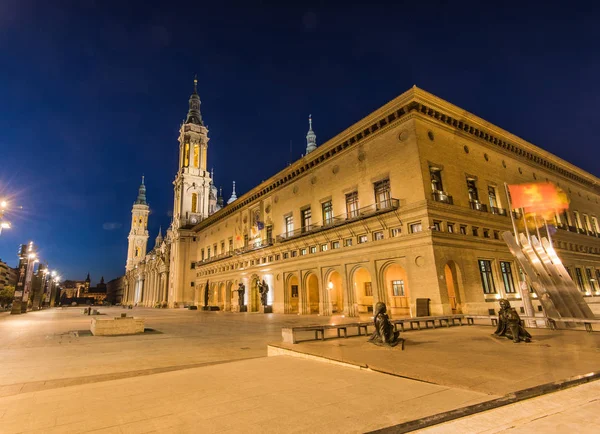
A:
289	334
117	326
587	322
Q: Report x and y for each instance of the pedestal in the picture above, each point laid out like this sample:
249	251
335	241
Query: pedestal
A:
210	308
266	309
243	308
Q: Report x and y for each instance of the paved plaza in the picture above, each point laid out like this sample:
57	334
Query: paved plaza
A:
209	372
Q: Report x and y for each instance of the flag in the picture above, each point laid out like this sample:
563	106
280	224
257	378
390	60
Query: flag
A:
538	198
260	225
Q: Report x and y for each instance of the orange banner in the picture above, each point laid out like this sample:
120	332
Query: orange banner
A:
538	198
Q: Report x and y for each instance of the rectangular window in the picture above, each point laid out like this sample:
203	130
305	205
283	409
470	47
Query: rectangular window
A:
208	252
222	247
294	253
492	197
246	240
398	288
324	247
580	283
347	242
215	248
269	234
193	266
475	231
415	227
277	257
596	227
463	230
202	254
294	291
192	283
352	205
306	219
591	279
289	225
395	232
335	244
312	249
368	289
286	255
437	225
496	235
472	190
231	244
382	194
362	239
327	209
487	279
436	179
486	233
270	258
450	227
377	236
507	277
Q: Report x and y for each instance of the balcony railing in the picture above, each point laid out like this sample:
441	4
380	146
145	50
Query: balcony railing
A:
478	206
499	211
517	214
442	196
252	245
357	214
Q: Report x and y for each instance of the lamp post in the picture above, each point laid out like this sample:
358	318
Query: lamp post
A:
3	223
27	258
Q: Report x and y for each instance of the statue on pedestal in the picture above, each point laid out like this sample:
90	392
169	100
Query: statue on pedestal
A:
509	324
263	289
241	292
384	333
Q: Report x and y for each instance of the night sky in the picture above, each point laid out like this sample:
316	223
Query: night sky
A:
92	94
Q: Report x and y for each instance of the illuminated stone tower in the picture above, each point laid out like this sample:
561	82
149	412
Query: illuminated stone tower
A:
192	183
138	235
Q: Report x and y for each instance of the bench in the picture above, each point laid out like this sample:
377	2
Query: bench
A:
289	334
471	318
587	322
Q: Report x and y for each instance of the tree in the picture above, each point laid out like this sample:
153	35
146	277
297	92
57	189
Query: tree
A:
7	295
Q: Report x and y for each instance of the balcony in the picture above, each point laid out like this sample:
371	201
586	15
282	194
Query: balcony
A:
517	214
354	215
476	205
252	246
442	196
498	211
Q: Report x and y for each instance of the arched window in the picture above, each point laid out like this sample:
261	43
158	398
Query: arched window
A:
196	155
186	155
137	252
194	202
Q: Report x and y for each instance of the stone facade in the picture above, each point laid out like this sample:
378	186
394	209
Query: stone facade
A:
408	203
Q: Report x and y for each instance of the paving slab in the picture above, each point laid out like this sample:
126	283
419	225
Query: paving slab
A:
268	395
469	357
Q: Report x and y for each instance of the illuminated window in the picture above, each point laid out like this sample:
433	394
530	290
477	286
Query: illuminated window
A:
398	288
194	202
352	205
196	155
487	280
362	239
186	155
395	232
415	227
507	277
368	289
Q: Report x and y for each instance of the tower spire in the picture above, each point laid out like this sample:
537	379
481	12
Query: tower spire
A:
141	199
233	196
194	116
159	237
311	137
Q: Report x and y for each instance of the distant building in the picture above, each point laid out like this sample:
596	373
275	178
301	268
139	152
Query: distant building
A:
8	275
80	291
114	290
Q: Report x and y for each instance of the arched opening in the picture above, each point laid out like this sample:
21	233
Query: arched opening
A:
453	280
336	297
196	155
254	299
363	289
396	283
229	296
186	155
194	202
221	298
293	294
312	287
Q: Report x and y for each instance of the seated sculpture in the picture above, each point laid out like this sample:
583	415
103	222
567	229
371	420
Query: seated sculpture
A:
509	324
384	333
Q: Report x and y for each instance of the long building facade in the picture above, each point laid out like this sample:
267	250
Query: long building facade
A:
407	204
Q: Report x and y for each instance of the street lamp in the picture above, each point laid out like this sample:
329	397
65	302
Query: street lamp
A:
3	223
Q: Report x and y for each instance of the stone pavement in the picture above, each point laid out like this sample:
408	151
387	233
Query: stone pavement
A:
207	372
574	410
469	357
265	395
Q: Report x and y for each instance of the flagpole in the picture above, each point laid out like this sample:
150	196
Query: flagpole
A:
525	223
512	217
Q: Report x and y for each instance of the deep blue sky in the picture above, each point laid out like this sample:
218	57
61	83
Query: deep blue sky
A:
92	94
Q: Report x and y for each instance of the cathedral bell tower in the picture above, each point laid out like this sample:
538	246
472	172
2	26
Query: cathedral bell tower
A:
138	235
192	184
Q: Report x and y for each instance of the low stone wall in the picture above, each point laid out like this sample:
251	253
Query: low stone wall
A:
117	326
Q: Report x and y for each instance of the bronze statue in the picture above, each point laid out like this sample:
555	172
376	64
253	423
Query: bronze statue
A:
241	292
509	324
263	289
384	333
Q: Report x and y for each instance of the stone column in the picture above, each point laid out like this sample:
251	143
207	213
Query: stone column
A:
349	295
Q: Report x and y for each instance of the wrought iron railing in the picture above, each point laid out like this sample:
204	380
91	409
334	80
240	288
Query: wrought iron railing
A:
478	206
357	214
442	196
499	211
